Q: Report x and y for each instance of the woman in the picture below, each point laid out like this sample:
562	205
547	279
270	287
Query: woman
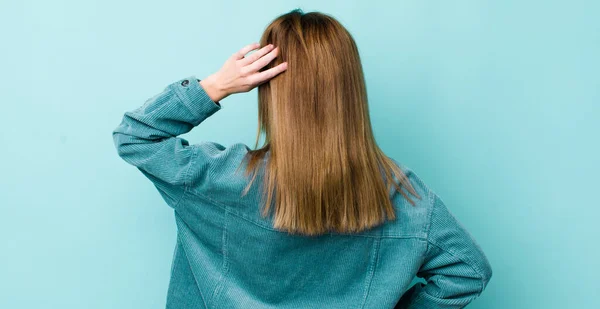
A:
317	217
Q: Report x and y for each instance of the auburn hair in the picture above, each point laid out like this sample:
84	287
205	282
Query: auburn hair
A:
323	170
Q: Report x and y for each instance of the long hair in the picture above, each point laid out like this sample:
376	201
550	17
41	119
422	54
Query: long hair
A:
324	171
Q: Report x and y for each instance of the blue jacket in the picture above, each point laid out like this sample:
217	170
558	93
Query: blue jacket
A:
228	256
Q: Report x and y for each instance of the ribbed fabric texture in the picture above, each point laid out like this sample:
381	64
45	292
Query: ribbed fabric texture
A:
228	256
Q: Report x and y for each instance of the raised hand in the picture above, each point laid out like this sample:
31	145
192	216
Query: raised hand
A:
241	74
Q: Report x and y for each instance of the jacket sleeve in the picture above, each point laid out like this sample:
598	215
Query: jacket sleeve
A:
455	267
147	136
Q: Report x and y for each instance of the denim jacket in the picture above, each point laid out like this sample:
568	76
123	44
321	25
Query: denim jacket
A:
228	256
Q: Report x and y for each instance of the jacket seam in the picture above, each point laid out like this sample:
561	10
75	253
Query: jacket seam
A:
431	198
429	218
225	266
192	272
372	267
186	181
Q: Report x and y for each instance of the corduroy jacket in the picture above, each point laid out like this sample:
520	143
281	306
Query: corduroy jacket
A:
228	256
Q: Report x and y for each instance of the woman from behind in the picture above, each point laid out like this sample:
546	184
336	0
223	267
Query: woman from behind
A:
318	216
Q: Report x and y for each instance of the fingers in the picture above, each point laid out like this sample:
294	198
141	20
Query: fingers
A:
253	63
264	76
246	49
256	55
262	61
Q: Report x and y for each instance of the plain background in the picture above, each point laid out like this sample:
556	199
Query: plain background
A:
495	104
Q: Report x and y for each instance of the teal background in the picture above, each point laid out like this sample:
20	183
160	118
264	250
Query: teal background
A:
495	104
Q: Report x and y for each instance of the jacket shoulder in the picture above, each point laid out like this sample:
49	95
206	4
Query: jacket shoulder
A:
412	219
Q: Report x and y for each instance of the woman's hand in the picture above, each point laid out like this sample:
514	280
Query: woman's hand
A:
241	74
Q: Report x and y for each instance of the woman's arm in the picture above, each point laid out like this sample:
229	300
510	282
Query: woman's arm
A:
455	267
147	136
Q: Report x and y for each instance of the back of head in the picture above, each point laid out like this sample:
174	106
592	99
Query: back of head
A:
324	172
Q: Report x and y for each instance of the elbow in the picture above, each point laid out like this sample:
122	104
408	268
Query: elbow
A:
117	143
123	138
121	144
486	272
